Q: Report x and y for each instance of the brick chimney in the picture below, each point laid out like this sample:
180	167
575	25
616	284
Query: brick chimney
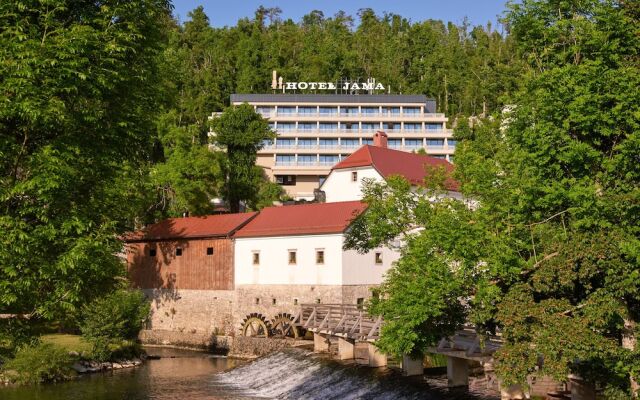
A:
380	139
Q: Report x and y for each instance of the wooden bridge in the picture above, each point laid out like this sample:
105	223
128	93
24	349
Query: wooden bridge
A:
348	321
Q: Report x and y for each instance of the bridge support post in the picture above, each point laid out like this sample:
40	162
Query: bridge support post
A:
457	371
346	349
412	366
376	358
320	343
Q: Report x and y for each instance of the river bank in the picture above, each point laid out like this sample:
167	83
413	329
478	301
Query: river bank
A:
285	374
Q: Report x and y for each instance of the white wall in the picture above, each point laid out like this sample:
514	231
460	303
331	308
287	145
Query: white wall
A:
274	268
361	269
340	267
340	187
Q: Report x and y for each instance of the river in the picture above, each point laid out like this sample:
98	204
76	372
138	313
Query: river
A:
291	374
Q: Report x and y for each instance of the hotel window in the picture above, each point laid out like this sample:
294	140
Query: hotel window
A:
354	176
435	142
286	110
452	143
433	127
367	141
321	179
328	110
306	126
272	126
378	257
413	143
392	126
306	159
209	251
412	127
348	110
395	143
370	127
328	159
286	126
440	156
349	127
285	143
329	126
178	252
411	110
350	143
328	143
152	252
267	143
307	110
369	110
307	143
292	257
285	159
255	259
286	180
319	256
391	110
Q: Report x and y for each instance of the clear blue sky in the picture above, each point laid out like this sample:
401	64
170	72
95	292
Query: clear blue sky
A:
228	12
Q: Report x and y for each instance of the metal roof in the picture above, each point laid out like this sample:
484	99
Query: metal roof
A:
335	98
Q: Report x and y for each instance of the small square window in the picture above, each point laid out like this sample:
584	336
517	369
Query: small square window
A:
354	176
209	251
273	302
152	252
292	257
256	301
319	256
178	252
318	301
378	257
295	301
360	303
256	258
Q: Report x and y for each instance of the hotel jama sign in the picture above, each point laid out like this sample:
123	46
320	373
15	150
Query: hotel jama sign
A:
348	86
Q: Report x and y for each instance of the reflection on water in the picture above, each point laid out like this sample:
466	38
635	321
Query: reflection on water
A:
292	374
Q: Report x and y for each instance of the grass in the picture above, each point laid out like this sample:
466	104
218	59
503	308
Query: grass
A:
68	342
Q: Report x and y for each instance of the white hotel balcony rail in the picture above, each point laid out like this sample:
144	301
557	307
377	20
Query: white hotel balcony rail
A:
351	115
366	131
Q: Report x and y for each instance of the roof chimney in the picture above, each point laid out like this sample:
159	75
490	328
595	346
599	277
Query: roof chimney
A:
380	139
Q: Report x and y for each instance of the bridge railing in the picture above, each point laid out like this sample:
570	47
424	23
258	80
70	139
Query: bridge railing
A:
345	320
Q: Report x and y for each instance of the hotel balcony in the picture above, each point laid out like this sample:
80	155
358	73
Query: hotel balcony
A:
354	116
440	133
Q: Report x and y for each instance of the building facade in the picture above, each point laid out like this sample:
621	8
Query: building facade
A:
317	131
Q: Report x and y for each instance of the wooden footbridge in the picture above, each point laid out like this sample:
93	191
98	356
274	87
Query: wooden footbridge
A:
347	321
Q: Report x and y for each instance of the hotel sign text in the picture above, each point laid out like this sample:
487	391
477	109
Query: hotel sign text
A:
332	86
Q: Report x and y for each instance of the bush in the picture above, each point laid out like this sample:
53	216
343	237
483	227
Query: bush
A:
41	362
113	319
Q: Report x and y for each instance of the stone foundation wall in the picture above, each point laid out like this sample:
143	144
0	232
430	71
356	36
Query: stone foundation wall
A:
195	312
193	317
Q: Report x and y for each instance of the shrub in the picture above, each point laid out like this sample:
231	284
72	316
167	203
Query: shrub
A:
41	362
112	319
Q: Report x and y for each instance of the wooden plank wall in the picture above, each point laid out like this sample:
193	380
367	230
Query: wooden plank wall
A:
193	270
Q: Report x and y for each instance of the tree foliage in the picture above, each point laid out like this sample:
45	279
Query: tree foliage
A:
548	254
77	102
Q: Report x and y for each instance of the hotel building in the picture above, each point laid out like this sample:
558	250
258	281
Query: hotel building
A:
317	131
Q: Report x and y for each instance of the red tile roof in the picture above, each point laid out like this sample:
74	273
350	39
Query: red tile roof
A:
395	162
192	227
303	219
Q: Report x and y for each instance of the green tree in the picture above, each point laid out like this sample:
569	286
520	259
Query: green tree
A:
241	132
78	99
549	253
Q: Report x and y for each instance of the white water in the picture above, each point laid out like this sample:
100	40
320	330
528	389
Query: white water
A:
298	374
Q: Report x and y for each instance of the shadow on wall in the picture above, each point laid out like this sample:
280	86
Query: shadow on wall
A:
149	268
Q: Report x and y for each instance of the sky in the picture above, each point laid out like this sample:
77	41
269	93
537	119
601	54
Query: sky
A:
226	13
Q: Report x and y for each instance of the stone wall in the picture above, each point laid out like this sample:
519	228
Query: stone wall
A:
196	312
200	341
